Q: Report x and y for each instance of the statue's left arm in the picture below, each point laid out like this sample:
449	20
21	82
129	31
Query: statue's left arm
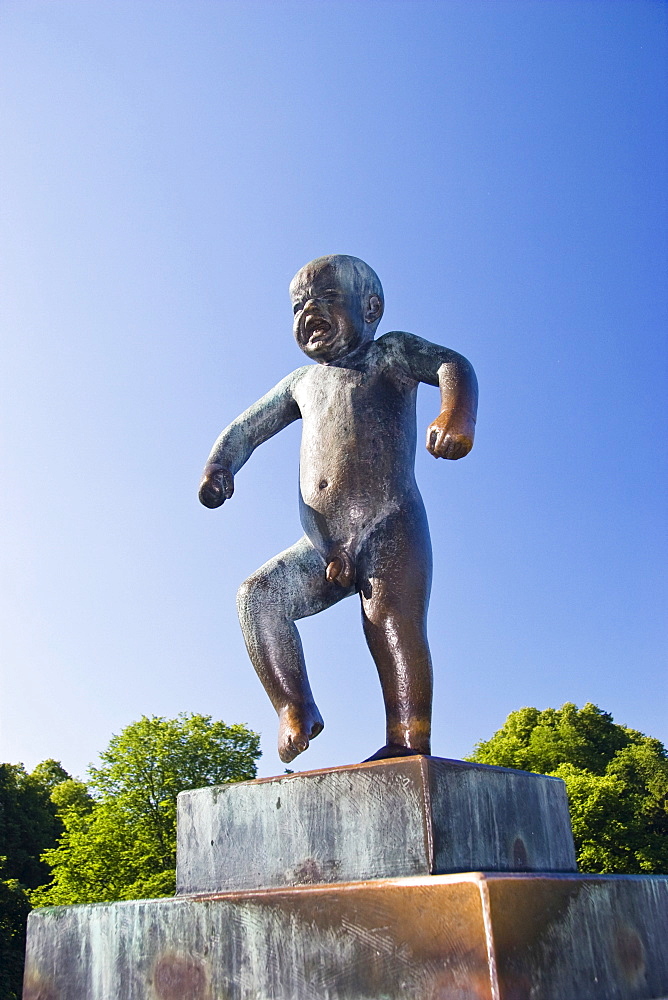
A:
451	434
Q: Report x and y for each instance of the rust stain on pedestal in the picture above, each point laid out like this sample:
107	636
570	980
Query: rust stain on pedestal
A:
180	977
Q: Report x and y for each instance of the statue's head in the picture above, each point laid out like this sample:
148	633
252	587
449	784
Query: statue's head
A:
338	303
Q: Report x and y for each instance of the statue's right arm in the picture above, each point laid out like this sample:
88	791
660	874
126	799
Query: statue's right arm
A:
239	440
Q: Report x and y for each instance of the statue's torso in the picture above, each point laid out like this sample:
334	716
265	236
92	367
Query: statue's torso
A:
358	447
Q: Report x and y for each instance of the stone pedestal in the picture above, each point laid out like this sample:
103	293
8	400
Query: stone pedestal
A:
383	819
443	937
365	931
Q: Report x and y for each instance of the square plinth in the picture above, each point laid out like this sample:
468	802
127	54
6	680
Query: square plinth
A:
384	819
451	937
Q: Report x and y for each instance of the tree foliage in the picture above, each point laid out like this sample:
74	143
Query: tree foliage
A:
29	825
616	779
119	839
14	910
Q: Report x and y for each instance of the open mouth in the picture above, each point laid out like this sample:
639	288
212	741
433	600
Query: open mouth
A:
316	329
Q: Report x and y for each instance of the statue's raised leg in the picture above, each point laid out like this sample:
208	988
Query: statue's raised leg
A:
290	586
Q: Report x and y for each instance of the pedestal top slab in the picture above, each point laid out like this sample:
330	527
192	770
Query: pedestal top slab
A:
383	819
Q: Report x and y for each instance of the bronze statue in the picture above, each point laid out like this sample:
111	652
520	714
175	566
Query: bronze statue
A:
363	517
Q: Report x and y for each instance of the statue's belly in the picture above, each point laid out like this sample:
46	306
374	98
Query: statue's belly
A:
345	494
356	458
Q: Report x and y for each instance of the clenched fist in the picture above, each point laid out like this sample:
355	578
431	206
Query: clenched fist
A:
216	487
450	436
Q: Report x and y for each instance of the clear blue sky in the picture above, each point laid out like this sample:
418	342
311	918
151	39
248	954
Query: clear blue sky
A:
166	169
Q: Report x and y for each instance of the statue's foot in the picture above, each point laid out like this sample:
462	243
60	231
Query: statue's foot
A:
296	728
394	750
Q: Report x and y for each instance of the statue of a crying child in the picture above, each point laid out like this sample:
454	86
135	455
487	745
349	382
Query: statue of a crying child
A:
365	527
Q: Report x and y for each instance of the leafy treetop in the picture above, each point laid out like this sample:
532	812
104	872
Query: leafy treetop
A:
29	825
616	780
120	830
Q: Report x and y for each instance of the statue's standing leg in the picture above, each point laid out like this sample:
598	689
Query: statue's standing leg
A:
395	581
290	586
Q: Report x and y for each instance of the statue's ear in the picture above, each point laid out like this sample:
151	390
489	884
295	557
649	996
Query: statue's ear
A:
374	309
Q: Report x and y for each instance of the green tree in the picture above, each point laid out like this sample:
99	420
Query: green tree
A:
616	779
119	840
14	910
29	825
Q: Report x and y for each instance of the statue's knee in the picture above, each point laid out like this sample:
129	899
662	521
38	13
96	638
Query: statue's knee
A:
246	598
252	596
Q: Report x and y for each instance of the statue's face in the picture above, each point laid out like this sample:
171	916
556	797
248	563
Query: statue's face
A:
329	316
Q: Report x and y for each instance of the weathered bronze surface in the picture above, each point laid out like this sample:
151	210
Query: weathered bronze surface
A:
384	819
365	527
443	937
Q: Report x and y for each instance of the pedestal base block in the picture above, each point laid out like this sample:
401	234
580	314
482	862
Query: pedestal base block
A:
456	937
